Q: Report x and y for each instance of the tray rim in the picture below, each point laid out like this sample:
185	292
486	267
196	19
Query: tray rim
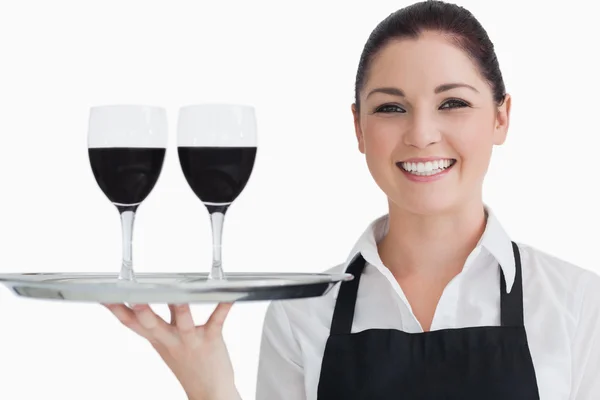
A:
285	279
33	285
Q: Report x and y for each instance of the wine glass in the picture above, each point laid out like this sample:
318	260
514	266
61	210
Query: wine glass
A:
127	146
217	149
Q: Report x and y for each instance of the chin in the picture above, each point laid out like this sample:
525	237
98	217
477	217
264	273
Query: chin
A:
427	205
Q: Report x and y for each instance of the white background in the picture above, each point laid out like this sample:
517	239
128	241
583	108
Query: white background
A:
296	64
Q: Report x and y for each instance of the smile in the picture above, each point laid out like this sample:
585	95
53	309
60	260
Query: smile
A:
428	168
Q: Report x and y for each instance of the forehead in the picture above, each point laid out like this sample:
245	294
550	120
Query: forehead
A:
422	63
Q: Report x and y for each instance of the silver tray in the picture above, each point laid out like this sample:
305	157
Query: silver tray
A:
172	288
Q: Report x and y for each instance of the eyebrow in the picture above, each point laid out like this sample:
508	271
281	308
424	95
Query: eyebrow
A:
441	88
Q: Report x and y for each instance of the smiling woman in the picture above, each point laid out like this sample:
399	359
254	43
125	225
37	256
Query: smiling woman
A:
444	305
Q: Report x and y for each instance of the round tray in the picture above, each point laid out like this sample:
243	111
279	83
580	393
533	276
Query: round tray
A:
172	288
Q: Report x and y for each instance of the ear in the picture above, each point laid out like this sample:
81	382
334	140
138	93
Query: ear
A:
502	121
358	130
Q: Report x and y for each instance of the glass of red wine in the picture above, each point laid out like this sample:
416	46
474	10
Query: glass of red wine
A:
217	149
127	146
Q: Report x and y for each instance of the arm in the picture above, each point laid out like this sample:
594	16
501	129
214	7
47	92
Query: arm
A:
280	371
586	345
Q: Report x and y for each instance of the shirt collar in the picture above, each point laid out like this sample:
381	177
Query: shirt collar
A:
494	240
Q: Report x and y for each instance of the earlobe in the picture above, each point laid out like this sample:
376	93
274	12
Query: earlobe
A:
502	121
358	130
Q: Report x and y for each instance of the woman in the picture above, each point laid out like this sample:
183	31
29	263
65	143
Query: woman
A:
444	304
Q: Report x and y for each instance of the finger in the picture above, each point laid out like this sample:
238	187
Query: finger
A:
173	314
158	330
127	317
217	319
184	322
180	315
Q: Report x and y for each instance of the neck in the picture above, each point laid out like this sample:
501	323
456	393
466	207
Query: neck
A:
431	244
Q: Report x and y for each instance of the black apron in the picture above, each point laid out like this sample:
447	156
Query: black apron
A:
478	363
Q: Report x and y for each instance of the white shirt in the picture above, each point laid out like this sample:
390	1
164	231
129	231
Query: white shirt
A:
561	312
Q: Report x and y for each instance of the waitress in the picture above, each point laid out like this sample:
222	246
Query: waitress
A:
444	304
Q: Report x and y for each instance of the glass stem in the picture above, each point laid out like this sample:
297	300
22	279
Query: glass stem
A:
127	219
216	219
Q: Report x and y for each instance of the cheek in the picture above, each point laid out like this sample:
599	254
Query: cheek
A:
473	143
381	137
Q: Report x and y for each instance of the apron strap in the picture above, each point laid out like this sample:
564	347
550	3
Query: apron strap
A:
511	304
343	313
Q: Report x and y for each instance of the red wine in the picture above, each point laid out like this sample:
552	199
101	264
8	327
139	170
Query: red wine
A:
126	175
217	174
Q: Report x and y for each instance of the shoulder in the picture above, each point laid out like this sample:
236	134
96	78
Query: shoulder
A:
298	312
540	264
557	282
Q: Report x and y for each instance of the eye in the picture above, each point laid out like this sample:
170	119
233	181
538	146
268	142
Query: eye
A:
454	103
390	108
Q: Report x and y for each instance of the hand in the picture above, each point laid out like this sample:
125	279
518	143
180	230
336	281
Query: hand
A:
197	355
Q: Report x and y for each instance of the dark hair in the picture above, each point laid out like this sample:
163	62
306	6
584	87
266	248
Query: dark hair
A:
432	15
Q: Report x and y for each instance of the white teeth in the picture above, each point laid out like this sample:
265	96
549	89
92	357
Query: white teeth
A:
427	168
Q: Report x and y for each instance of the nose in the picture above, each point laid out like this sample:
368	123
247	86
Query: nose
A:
422	131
